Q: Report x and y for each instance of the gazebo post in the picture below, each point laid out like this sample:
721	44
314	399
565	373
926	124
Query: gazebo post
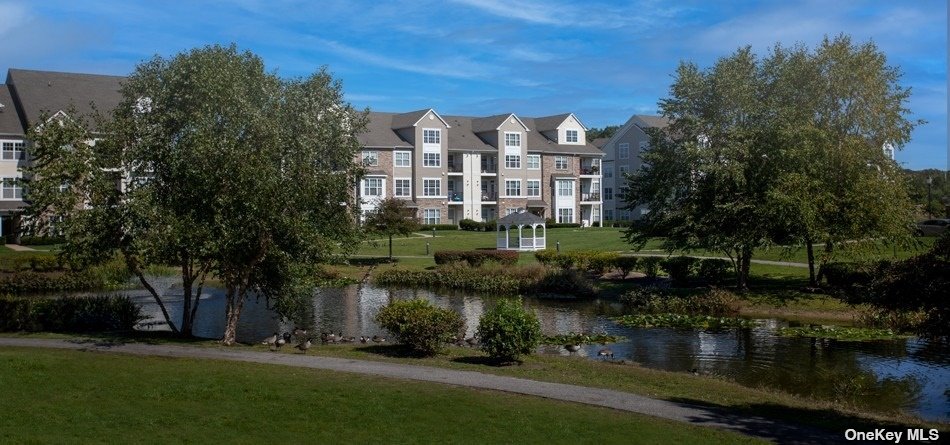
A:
534	236
520	237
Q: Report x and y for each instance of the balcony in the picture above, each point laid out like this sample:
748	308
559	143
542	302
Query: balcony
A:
489	165
456	198
590	197
590	167
489	196
455	167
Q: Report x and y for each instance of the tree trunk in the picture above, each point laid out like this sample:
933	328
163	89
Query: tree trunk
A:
390	248
158	300
235	302
745	260
186	281
812	281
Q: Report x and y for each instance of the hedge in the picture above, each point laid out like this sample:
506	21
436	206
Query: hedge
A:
38	262
34	282
41	240
679	268
443	227
471	225
476	258
69	314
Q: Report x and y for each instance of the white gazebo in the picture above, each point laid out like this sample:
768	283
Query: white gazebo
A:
521	221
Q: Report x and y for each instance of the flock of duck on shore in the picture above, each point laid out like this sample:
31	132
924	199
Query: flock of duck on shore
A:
304	342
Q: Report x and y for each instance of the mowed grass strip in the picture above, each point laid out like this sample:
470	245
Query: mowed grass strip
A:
79	397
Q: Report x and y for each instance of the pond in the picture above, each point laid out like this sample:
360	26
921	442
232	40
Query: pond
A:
911	374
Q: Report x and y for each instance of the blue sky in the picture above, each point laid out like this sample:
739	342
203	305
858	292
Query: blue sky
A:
602	60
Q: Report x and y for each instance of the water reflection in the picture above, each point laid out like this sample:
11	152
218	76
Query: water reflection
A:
906	374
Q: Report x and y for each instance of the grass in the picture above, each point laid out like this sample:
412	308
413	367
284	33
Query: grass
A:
673	386
70	396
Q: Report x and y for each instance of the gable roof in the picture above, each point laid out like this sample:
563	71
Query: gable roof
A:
519	218
639	121
412	118
380	132
548	123
493	123
10	124
49	91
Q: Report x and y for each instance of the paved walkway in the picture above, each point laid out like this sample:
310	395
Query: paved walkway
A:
682	412
19	248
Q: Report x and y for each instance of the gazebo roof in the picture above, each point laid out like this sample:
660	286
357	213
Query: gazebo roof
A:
520	219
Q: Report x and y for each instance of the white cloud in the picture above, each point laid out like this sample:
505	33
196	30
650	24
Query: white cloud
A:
453	66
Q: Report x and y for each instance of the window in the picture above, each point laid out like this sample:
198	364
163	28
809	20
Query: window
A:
608	215
431	159
621	192
431	136
608	194
560	162
512	161
609	171
534	187
402	159
371	158
534	162
402	188
565	215
623	151
623	170
431	187
11	188
513	187
565	188
431	216
512	139
372	186
570	135
12	150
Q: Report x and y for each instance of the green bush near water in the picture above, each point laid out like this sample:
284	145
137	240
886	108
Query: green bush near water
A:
491	278
682	321
69	314
650	300
508	331
420	325
476	258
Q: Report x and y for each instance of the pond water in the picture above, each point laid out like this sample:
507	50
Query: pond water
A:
913	374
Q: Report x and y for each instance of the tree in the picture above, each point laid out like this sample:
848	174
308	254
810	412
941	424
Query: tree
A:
231	171
390	218
605	132
708	174
781	150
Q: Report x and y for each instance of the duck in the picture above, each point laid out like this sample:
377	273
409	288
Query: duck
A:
572	348
363	339
269	341
304	346
299	332
605	353
282	340
378	339
327	337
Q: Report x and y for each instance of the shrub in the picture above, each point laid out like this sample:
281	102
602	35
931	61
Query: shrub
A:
600	263
565	282
437	227
508	331
626	264
420	325
714	271
650	266
69	314
546	257
41	240
39	262
490	225
679	268
471	225
845	276
34	282
650	300
476	258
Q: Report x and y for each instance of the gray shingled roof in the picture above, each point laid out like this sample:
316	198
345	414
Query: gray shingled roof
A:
549	123
380	133
520	218
9	118
652	121
49	91
599	142
406	120
490	123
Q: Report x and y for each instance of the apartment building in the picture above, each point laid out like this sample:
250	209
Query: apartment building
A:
621	156
481	168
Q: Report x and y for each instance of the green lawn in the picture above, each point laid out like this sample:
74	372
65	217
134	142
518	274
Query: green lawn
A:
69	396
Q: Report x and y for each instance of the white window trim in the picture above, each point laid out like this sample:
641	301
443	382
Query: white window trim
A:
577	136
424	196
16	176
364	154
431	146
567	163
529	181
438	218
623	154
513	168
13	141
431	166
382	186
520	189
410	188
395	156
528	164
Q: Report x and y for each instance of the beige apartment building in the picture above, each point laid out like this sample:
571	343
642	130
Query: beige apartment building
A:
452	168
621	156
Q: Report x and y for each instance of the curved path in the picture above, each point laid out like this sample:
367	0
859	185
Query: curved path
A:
697	415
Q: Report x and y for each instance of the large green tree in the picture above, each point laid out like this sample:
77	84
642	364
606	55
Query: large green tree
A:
392	217
231	171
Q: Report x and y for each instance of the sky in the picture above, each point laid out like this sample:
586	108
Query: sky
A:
602	60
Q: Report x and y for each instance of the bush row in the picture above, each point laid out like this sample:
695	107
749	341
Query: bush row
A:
505	332
34	282
650	300
681	269
41	240
39	262
442	227
492	278
476	258
69	314
477	226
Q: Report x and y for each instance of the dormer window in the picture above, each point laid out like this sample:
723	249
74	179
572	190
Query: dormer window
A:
431	136
371	158
513	140
570	136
